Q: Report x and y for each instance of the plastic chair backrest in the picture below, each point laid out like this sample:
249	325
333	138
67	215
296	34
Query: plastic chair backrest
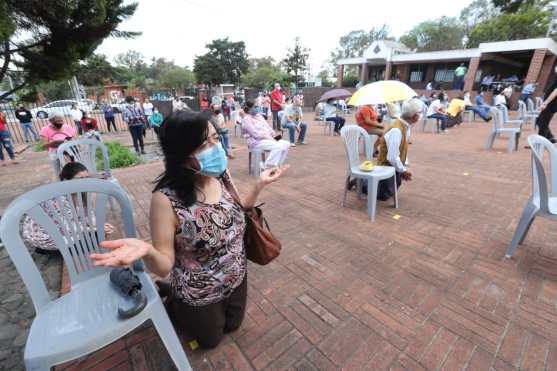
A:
85	152
497	119
538	146
351	135
504	112
539	102
59	208
530	104
522	110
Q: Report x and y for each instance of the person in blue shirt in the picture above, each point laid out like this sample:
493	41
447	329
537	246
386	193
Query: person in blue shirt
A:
527	91
480	108
109	116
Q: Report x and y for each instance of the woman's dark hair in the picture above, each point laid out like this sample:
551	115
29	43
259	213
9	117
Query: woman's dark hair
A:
180	135
250	103
441	97
71	169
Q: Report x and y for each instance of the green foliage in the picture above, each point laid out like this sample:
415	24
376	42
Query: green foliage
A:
477	12
39	147
263	73
54	90
356	42
296	61
444	33
530	22
225	62
95	71
324	76
50	37
350	81
119	156
512	6
177	78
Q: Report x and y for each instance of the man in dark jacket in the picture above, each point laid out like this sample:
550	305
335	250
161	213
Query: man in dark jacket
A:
24	117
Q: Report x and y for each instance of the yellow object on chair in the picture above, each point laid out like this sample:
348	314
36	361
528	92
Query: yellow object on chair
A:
367	166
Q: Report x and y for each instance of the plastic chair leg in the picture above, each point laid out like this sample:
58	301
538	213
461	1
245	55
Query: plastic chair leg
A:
528	216
346	185
490	140
396	192
371	198
511	143
170	339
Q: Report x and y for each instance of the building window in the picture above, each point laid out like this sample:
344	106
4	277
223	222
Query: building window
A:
417	72
444	75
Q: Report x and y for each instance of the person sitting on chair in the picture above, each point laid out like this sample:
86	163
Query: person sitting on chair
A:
393	147
481	109
331	115
436	111
367	119
454	112
292	120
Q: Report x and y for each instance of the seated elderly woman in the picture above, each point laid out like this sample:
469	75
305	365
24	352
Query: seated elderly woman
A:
259	135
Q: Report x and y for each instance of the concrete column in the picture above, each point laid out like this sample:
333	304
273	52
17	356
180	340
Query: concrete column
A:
535	66
340	75
471	73
388	69
429	73
363	73
545	74
404	73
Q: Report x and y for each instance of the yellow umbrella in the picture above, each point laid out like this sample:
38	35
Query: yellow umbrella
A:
381	92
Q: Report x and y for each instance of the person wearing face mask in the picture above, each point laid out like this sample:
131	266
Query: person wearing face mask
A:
156	120
218	121
134	118
547	110
277	102
197	231
89	127
259	135
54	134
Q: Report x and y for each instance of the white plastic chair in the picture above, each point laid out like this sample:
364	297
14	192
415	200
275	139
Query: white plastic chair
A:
85	152
531	108
539	102
86	318
426	120
329	127
255	158
351	136
525	115
499	128
471	115
543	201
505	116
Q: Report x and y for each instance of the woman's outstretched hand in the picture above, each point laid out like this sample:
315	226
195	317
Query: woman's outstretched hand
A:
123	252
272	175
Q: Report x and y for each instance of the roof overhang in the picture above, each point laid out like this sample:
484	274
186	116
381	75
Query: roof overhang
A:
442	55
519	45
351	61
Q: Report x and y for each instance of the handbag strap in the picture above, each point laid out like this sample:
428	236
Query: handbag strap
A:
225	177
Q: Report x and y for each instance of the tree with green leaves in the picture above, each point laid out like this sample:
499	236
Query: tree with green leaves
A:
225	62
263	73
95	71
324	76
530	22
477	12
512	6
356	42
45	40
177	77
296	61
445	33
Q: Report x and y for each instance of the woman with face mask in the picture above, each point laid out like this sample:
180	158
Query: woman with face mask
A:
54	134
197	231
89	127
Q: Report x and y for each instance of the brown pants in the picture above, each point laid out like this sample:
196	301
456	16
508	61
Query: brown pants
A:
207	324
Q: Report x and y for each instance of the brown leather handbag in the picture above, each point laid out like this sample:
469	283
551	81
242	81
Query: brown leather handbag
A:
262	246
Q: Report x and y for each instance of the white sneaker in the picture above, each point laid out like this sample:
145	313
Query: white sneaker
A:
292	144
446	131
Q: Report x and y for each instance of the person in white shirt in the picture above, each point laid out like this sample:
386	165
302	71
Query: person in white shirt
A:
77	115
436	111
393	147
331	115
500	100
147	108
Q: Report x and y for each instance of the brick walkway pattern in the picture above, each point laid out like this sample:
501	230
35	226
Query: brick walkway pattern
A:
429	290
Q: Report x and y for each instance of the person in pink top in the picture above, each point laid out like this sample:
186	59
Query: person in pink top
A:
54	134
259	135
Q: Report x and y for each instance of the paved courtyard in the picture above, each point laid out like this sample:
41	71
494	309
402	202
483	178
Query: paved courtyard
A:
425	286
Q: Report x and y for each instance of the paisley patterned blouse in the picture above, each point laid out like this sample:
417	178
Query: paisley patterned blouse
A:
209	249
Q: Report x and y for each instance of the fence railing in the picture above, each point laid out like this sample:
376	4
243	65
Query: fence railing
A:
40	119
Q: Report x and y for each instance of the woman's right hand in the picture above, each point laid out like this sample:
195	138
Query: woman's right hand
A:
124	252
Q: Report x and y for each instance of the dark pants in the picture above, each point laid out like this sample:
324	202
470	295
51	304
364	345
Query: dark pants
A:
441	117
207	324
110	121
339	122
78	126
386	187
543	121
458	84
137	136
276	121
524	97
6	142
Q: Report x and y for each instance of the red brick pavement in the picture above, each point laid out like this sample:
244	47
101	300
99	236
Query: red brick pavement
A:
431	290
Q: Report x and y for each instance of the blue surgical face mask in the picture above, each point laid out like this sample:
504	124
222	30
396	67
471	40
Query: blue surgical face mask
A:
212	161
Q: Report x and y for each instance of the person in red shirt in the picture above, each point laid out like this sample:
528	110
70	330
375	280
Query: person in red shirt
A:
5	141
367	119
90	127
277	101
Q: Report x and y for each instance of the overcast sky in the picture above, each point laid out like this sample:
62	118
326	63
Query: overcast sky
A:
179	29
